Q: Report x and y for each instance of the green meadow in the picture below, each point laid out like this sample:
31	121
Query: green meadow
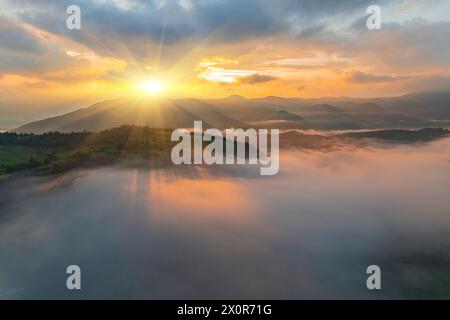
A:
56	152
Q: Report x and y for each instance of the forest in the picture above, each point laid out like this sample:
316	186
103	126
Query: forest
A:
56	151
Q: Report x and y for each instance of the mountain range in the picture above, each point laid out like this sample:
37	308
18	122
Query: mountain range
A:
415	110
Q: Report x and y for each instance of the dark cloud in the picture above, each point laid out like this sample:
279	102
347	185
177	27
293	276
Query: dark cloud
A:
171	23
256	78
362	77
309	31
319	8
16	39
105	23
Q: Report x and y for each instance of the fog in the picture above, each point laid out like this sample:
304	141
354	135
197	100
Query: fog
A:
225	232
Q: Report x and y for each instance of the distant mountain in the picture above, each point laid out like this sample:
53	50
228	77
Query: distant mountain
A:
425	134
421	109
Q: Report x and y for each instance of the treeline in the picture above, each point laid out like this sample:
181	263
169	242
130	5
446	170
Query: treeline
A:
124	137
59	151
50	139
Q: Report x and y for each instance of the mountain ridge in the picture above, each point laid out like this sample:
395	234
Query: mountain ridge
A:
414	110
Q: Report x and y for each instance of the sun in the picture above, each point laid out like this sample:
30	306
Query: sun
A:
154	87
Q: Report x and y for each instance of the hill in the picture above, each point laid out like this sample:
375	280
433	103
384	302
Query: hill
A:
426	109
57	152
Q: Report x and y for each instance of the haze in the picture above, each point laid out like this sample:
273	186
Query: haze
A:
198	232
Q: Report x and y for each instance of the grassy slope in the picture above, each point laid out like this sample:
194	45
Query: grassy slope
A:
59	152
16	157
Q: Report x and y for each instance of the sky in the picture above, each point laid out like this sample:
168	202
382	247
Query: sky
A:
215	48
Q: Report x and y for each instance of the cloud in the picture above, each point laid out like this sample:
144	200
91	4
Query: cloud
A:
256	78
170	20
168	30
175	21
416	44
297	41
15	38
362	77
